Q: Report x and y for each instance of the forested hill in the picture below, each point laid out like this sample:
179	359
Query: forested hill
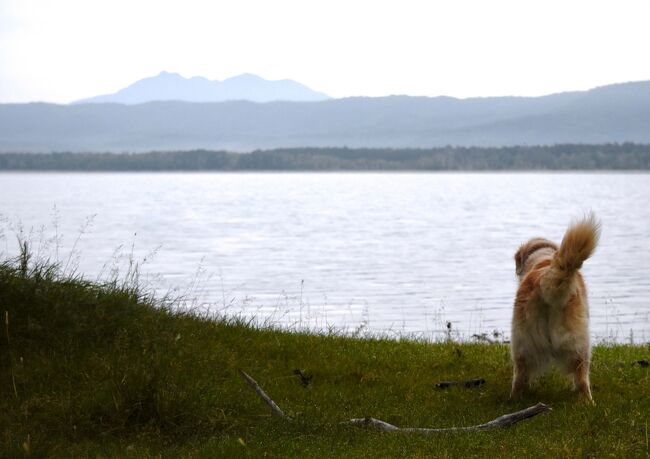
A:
626	156
610	114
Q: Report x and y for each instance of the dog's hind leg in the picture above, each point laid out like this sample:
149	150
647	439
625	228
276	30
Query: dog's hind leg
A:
520	377
579	369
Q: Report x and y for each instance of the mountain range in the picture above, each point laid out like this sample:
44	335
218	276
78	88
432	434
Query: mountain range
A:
608	114
172	86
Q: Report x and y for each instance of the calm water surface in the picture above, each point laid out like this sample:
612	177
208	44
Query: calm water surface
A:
391	253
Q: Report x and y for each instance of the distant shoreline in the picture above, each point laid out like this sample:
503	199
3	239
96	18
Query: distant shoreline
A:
612	157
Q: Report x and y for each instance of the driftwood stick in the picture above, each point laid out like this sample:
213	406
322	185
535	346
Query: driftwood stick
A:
265	398
500	422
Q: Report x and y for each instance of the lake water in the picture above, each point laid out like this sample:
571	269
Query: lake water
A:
394	253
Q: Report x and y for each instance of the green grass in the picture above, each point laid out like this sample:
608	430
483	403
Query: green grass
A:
90	370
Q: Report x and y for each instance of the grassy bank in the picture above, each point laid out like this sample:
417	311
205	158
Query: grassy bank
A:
91	370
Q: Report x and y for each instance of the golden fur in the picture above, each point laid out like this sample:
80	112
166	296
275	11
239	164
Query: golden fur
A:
550	317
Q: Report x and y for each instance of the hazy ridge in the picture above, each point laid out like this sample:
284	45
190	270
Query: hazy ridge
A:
615	113
172	86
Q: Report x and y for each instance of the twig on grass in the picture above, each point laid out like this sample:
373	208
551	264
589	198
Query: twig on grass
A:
500	422
265	398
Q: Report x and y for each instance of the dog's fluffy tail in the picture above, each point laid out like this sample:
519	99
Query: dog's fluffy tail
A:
578	244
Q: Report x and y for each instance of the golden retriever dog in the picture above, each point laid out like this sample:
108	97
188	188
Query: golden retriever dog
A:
550	322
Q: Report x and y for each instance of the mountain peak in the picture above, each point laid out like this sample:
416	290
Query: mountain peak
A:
165	74
173	86
246	76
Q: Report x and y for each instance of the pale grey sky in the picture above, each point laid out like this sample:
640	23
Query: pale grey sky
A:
63	50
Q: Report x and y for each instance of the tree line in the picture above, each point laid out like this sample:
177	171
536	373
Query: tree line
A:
614	156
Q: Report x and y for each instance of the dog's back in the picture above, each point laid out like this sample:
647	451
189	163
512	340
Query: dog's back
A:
550	319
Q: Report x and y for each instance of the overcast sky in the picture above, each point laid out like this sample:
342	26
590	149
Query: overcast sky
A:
63	50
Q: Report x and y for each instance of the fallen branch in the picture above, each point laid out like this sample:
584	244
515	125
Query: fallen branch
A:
265	398
500	422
